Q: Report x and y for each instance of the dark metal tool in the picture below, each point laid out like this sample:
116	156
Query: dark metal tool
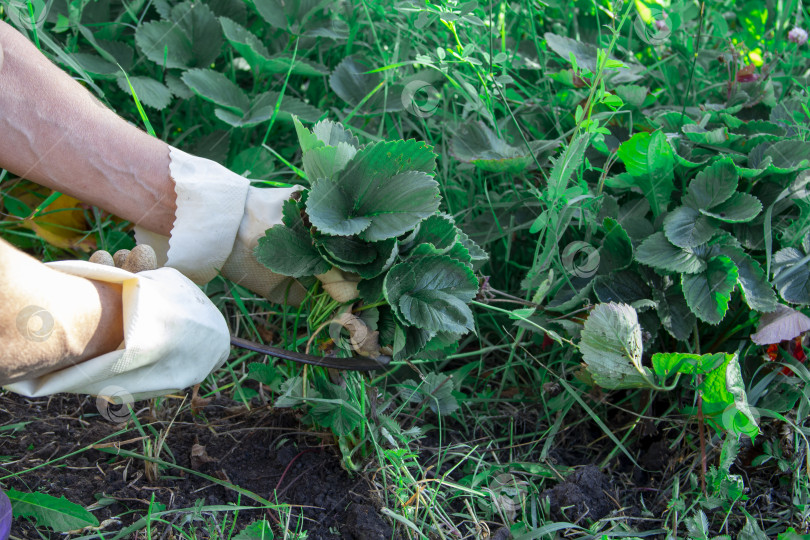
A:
354	363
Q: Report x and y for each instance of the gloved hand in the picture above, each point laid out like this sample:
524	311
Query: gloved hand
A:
173	335
218	223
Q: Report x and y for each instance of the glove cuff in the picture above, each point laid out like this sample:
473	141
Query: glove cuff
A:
262	210
210	205
173	338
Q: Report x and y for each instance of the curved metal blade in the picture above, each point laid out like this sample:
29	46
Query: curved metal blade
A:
354	363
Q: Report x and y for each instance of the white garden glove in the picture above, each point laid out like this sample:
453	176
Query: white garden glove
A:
218	223
173	338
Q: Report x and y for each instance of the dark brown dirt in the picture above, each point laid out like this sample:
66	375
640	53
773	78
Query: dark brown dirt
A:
583	494
264	451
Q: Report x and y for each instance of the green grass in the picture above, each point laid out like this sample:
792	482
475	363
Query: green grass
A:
519	412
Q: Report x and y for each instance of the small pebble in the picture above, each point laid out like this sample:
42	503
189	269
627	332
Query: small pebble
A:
141	258
120	257
102	257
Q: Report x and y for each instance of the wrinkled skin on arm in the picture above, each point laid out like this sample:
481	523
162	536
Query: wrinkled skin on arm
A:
55	133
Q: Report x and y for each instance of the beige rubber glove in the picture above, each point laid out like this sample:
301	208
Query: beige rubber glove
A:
218	223
173	336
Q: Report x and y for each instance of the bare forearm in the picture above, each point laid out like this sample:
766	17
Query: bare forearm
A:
57	134
50	320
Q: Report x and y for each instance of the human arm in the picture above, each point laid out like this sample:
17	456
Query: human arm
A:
50	320
56	133
77	326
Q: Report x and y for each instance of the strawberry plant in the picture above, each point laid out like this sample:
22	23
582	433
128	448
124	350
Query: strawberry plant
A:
371	213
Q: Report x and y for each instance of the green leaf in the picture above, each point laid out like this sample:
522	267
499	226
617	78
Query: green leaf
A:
275	12
263	106
436	390
433	294
354	81
787	156
477	255
258	530
757	291
348	249
715	137
658	252
685	227
632	94
565	166
616	252
281	63
256	162
437	230
215	87
791	275
327	161
459	252
409	341
477	144
751	530
287	13
611	347
371	290
372	198
149	91
287	249
712	186
650	161
741	207
265	374
291	393
60	514
190	38
332	133
236	10
306	139
256	54
667	364
707	293
586	55
244	42
625	287
713	388
674	313
156	36
339	414
95	65
744	421
385	253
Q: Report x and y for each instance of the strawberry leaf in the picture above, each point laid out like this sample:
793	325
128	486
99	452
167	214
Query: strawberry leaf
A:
708	292
433	295
383	192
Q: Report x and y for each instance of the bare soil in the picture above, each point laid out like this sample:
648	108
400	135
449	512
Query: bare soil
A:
65	448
